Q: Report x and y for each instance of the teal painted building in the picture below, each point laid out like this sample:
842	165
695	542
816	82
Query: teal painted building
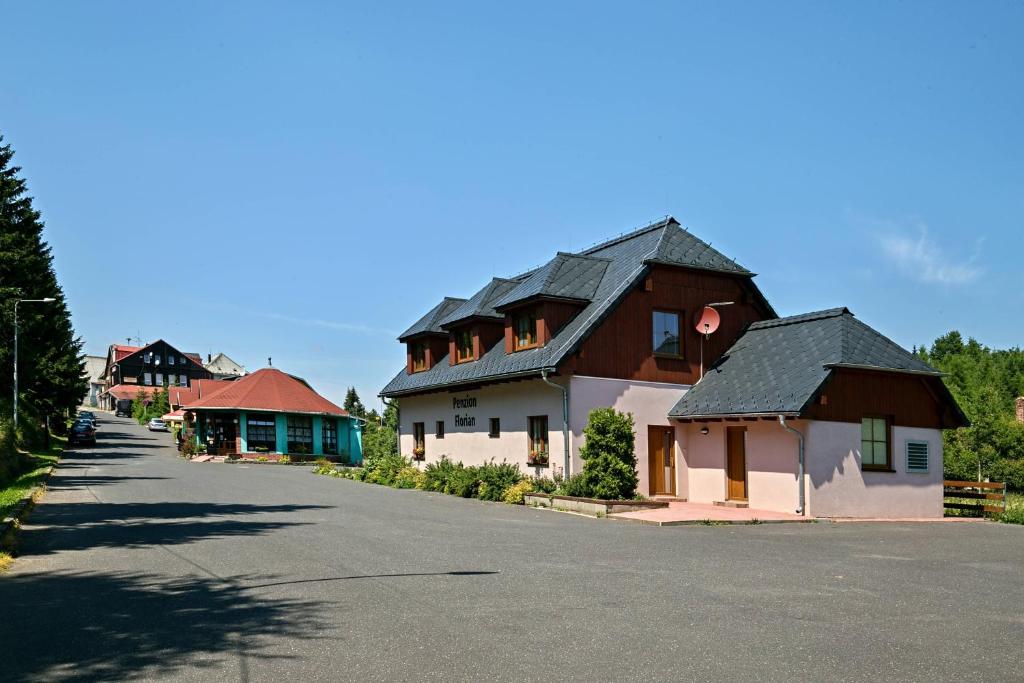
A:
270	413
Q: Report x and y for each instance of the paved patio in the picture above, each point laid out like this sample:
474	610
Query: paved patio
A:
696	513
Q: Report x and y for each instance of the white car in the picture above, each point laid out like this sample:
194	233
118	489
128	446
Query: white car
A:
156	425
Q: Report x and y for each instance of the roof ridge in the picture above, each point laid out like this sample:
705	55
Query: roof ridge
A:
580	255
802	318
661	223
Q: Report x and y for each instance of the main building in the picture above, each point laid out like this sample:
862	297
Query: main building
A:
816	412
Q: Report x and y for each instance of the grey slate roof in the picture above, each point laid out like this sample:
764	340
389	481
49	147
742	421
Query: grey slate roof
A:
627	257
431	322
567	276
777	366
481	304
680	247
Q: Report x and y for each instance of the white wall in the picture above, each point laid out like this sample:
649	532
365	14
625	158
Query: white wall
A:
771	454
839	488
512	403
649	402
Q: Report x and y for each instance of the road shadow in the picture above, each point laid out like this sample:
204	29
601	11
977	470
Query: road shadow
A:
81	526
85	626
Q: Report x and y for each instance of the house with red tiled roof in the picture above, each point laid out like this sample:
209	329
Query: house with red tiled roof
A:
271	413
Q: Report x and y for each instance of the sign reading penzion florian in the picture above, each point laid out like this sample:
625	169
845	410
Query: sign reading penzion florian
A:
464	420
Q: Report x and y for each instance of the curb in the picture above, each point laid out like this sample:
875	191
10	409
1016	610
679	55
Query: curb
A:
21	510
713	522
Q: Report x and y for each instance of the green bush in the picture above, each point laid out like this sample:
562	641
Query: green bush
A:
436	474
284	460
577	485
496	479
408	478
516	493
463	482
544	484
609	456
323	466
384	469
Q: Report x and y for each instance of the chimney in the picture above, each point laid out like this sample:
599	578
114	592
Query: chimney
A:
1020	409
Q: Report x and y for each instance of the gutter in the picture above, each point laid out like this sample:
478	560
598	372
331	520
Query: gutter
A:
565	418
801	509
475	381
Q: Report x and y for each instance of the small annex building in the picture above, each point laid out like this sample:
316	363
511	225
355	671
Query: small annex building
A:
869	413
512	372
269	413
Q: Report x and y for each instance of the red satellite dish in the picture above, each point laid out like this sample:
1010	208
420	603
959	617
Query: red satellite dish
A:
707	320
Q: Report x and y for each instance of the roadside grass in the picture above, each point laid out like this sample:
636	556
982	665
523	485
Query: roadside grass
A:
1014	509
12	491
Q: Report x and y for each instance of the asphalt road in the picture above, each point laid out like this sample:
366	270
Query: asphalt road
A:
140	565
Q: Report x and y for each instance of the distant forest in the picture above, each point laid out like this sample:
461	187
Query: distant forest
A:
986	383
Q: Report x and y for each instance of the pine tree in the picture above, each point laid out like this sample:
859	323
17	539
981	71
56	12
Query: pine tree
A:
51	364
353	405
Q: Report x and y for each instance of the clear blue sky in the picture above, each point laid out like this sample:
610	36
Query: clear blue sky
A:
302	181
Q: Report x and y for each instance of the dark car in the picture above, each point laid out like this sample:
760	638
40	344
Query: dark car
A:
82	433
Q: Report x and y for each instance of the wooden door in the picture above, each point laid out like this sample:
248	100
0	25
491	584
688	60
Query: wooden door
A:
736	463
661	461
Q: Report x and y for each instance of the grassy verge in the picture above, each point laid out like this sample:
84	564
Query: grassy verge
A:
1014	509
12	491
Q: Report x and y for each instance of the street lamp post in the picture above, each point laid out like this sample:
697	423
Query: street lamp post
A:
47	300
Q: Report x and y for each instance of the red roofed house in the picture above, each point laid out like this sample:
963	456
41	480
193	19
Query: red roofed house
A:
131	368
271	413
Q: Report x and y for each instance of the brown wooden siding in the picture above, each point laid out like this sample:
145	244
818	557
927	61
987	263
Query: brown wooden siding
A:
437	346
553	316
910	400
486	336
622	346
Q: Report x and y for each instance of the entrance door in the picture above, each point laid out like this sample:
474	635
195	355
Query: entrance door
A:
661	461
224	434
736	463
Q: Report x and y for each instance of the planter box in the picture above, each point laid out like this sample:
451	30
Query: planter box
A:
591	506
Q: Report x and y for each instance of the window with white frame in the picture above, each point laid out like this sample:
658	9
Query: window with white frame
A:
182	380
156	360
147	378
170	359
159	379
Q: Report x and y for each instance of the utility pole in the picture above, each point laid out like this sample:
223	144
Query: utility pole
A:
47	300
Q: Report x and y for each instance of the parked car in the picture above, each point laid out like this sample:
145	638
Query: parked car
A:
157	425
91	421
122	413
82	433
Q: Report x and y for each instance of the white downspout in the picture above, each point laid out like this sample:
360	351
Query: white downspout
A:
800	462
565	418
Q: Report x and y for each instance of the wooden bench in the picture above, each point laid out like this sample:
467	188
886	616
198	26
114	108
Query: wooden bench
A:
983	496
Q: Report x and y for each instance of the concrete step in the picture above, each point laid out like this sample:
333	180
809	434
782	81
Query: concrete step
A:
732	503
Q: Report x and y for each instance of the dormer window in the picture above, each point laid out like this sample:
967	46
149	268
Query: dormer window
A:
524	330
463	345
419	356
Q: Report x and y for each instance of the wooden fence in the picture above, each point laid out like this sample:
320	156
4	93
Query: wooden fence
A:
980	496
